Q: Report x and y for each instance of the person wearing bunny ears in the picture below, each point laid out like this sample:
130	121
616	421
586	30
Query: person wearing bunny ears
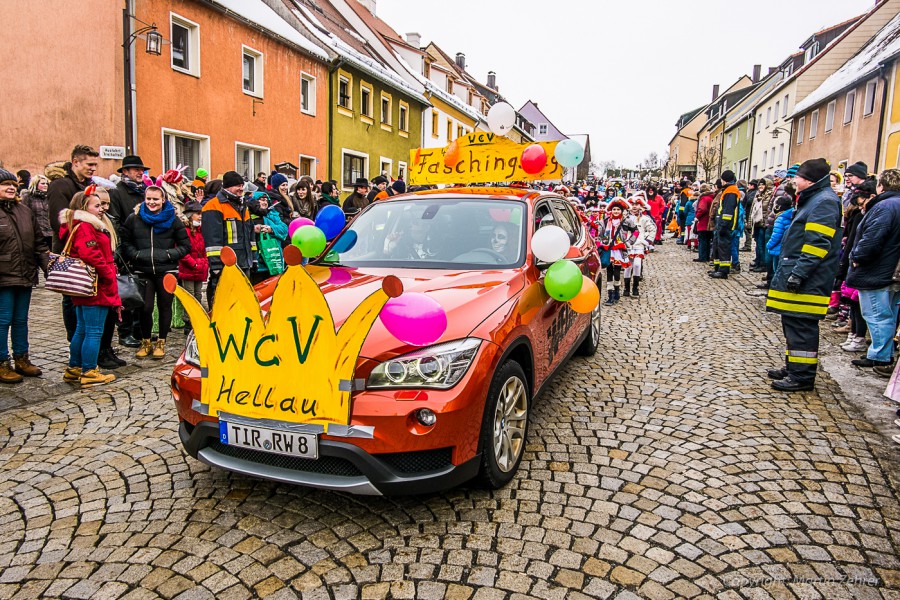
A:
642	236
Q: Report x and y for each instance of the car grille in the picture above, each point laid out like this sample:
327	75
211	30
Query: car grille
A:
417	462
325	465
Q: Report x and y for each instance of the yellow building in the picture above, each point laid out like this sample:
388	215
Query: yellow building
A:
889	152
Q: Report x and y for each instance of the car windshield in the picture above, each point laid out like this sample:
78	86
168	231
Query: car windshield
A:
431	233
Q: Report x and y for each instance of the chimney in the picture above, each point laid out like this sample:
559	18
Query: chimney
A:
756	72
772	70
492	80
715	92
369	4
414	39
461	60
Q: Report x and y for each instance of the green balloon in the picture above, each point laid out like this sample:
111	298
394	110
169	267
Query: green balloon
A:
310	239
563	280
332	257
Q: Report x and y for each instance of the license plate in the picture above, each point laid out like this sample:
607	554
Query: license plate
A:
276	441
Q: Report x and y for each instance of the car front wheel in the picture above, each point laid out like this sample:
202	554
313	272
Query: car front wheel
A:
505	425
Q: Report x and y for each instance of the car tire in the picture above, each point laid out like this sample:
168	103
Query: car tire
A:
504	428
591	342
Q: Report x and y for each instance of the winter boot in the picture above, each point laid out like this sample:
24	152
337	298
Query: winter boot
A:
8	374
627	291
616	296
120	362
145	349
159	349
609	299
105	361
72	375
95	377
24	367
635	292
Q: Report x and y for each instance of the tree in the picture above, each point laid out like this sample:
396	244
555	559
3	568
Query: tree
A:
707	160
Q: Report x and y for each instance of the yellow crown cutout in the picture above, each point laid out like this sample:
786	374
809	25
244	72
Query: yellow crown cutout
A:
292	366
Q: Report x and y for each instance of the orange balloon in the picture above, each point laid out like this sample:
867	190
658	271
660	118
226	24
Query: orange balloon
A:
588	298
451	155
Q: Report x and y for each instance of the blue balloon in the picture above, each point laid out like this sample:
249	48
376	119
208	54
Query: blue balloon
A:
347	241
331	220
569	153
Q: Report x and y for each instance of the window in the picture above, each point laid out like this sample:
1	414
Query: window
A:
460	131
728	142
829	116
344	100
801	127
542	129
307	94
742	169
185	36
386	167
811	52
749	130
426	69
849	105
777	110
784	106
754	172
768	116
307	166
403	117
385	109
781	154
765	158
252	72
250	160
401	170
353	167
180	147
435	124
813	124
449	84
449	130
758	122
869	106
365	99
772	157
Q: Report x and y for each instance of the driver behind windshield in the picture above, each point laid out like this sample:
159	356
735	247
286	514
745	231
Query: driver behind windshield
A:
502	241
414	244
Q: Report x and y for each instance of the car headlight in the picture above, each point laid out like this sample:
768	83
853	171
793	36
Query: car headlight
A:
440	366
191	355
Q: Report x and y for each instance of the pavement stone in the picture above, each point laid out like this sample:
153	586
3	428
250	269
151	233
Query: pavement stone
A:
655	469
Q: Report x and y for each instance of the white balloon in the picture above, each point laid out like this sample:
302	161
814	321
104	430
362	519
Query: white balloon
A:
550	243
501	118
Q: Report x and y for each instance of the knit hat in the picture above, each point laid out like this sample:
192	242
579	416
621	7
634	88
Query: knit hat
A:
782	203
792	172
813	169
399	186
860	169
728	176
202	173
231	179
276	180
8	176
192	207
780	174
379	179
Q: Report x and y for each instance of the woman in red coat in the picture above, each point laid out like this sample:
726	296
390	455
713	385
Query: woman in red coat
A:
701	223
90	241
657	207
193	269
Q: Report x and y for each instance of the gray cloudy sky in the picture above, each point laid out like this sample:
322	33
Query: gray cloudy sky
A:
621	71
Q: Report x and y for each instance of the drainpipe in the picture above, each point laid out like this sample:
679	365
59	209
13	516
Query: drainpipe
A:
882	75
331	71
128	77
750	156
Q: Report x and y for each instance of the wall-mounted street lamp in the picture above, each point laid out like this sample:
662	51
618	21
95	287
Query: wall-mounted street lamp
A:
776	131
154	42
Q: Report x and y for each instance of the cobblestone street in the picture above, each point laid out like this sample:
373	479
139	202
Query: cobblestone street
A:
654	470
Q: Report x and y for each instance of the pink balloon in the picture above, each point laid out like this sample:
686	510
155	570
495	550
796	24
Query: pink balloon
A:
297	224
414	318
339	276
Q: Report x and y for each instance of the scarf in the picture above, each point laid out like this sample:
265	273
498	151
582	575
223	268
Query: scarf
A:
330	199
38	194
137	187
160	221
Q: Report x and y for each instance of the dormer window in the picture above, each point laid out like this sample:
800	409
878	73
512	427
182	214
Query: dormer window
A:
811	52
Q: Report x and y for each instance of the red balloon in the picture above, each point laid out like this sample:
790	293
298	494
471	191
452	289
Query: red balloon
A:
534	159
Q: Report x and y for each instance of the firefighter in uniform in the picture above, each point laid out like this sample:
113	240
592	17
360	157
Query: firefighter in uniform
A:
726	222
801	288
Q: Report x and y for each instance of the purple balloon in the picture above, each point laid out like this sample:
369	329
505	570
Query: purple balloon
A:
414	318
297	224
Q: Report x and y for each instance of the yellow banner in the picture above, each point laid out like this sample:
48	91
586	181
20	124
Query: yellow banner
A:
480	157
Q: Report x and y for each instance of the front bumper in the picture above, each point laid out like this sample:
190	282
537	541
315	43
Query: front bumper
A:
340	466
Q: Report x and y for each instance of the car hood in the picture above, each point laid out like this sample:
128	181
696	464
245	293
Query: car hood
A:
468	297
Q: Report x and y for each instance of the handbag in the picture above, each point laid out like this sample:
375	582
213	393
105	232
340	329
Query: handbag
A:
69	275
604	258
270	251
130	292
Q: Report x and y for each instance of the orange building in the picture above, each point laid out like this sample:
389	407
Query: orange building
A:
236	88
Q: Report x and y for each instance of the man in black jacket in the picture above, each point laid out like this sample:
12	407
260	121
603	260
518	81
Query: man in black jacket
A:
727	217
60	193
873	261
801	288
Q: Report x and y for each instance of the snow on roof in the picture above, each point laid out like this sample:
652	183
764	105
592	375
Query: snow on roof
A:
356	58
884	45
258	12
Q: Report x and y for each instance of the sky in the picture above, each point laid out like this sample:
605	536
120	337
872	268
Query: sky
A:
620	71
